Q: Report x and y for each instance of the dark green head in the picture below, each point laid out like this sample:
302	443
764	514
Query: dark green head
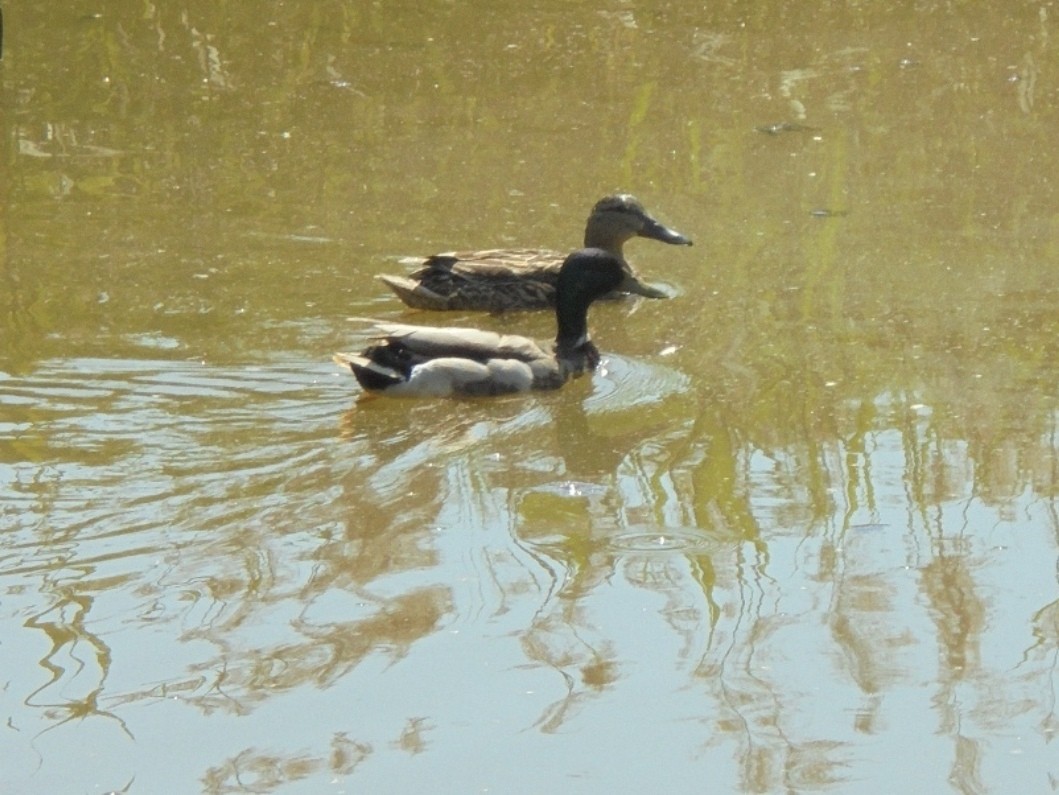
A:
586	275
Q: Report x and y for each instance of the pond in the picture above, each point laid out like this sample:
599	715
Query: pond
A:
799	532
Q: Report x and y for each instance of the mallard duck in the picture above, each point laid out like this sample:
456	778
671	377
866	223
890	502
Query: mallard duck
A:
422	361
503	279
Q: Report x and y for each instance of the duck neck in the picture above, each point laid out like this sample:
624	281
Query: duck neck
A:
571	316
601	236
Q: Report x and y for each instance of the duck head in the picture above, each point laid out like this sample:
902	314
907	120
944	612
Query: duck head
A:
585	276
618	218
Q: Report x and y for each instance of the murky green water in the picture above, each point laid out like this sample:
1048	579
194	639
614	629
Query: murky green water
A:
798	534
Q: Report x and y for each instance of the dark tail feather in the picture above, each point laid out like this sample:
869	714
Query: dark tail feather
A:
371	376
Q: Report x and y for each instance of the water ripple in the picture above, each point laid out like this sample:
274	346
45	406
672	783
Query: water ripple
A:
105	459
664	540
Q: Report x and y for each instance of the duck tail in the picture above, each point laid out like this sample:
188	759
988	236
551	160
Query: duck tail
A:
373	377
414	294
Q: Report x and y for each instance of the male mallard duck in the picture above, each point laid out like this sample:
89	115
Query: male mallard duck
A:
426	361
502	279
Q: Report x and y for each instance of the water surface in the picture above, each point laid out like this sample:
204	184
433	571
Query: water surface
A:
800	526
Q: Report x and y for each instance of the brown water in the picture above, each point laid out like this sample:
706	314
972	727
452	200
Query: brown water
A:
800	533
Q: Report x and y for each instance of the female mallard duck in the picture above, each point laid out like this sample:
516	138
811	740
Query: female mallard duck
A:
503	279
425	361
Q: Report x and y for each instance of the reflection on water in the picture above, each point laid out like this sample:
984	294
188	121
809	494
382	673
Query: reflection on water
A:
657	561
800	523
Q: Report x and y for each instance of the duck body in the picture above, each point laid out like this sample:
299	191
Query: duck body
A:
498	280
494	280
425	361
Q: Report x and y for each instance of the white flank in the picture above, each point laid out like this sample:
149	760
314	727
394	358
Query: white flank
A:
450	375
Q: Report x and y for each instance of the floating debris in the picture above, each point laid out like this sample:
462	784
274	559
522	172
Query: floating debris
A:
784	127
824	212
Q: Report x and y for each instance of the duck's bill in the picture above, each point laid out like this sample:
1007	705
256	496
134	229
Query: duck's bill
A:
657	231
634	286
